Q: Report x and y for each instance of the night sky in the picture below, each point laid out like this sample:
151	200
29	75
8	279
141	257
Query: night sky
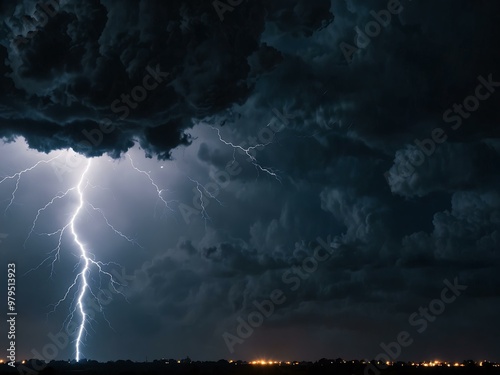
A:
346	154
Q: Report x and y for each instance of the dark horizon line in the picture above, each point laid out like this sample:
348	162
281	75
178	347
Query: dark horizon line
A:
323	360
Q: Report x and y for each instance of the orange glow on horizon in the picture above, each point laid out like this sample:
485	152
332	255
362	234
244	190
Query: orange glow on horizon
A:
263	362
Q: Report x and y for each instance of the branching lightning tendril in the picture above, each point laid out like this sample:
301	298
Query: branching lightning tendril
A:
17	177
248	152
159	191
199	188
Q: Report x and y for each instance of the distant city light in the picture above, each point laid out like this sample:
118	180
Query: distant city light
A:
264	362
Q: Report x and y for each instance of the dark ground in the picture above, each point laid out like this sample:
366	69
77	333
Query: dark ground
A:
224	368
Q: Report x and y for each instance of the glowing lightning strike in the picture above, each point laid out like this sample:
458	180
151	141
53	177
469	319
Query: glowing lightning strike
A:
86	259
54	254
248	151
80	288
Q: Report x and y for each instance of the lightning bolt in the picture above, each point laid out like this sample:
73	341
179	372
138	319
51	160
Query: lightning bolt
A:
87	261
80	288
248	151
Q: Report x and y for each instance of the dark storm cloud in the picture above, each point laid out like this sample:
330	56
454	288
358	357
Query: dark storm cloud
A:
65	76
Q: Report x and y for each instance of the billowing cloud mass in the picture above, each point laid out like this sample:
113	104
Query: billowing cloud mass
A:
67	69
389	154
